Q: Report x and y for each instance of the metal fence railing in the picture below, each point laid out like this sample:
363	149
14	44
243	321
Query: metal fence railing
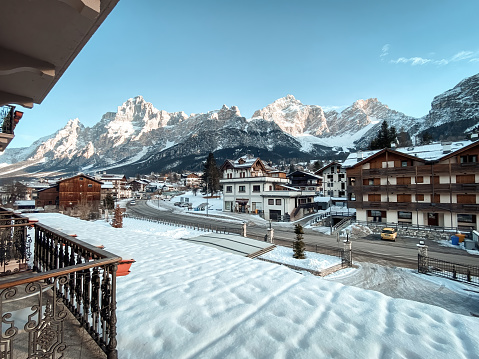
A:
64	273
455	271
205	227
409	226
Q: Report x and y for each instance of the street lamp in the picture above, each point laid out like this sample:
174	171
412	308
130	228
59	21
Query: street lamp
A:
207	205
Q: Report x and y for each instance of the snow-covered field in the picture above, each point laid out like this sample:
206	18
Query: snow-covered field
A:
313	261
184	300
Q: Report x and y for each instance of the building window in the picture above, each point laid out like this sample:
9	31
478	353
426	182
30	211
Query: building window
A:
271	202
419	197
419	179
278	202
352	181
256	188
241	189
404	215
403	180
81	178
229	189
466	198
469	159
374	197
270	188
90	185
404	198
403	163
466	178
341	176
466	218
352	196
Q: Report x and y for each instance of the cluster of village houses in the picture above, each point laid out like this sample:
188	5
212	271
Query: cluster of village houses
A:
433	185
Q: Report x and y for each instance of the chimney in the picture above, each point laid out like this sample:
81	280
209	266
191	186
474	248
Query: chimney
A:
446	147
359	156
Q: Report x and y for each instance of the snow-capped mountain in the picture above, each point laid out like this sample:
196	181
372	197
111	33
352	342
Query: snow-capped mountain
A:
454	110
140	138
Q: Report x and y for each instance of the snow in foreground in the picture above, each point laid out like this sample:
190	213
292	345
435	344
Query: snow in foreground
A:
184	300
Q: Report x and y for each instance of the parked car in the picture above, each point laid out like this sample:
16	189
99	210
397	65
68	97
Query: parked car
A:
389	234
184	204
132	203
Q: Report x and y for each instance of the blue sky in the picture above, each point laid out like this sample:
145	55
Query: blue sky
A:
195	56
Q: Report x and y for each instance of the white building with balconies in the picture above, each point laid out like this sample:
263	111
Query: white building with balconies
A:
252	186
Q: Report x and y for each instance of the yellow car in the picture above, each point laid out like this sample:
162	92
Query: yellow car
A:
389	233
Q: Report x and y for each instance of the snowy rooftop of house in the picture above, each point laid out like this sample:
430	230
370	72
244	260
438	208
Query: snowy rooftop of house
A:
304	173
107	185
111	176
248	162
430	152
25	203
38	184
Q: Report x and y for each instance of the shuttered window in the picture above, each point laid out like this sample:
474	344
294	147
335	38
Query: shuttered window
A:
466	198
465	178
403	180
404	198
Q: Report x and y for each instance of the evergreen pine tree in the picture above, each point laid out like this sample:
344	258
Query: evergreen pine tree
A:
384	137
211	175
298	245
108	201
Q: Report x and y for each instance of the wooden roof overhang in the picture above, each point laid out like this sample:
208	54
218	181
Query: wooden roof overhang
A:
39	40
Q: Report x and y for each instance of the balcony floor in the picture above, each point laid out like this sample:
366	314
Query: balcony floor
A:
79	344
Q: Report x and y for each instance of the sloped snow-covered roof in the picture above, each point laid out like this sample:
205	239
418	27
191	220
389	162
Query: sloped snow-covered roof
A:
431	152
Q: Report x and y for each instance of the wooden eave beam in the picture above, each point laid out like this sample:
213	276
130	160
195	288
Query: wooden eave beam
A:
88	8
12	62
8	98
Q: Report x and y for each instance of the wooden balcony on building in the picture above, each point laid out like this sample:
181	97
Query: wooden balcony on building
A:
426	170
416	188
58	302
416	206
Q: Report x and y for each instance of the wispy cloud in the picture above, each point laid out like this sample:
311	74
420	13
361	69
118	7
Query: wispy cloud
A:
384	51
462	56
413	60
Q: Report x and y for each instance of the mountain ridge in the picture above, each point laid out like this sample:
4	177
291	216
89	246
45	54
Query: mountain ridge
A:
138	133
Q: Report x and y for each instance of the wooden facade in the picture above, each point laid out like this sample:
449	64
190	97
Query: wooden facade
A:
48	197
391	186
80	189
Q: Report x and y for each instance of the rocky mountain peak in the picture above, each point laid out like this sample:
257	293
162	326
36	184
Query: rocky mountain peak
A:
459	103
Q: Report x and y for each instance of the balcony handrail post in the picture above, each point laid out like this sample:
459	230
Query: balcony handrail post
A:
112	352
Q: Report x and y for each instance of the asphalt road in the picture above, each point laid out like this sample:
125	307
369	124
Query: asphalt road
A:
402	253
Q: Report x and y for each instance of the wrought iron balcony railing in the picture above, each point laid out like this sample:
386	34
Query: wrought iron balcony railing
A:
8	120
66	277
